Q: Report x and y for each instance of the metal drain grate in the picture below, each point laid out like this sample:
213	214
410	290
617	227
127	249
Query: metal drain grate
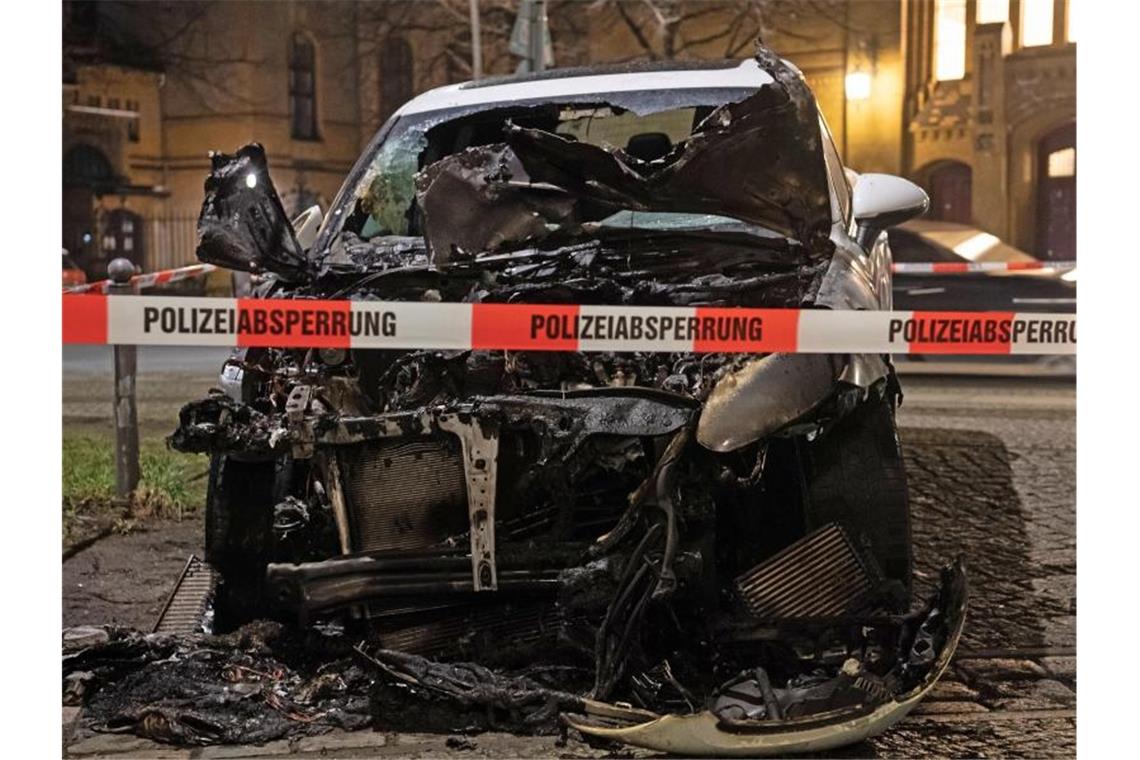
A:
820	575
186	607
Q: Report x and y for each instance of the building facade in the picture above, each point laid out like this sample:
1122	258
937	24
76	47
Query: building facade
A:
991	112
973	99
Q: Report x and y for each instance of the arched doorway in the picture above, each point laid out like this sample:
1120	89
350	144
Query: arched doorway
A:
951	195
86	173
1057	194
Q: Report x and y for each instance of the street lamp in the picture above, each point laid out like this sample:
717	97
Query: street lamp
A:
857	85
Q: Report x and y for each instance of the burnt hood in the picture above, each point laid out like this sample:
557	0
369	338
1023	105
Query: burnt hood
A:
759	160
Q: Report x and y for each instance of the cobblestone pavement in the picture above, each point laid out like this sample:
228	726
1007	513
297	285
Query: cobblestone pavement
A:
991	468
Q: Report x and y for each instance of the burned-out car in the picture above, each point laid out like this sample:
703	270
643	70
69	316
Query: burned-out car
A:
698	553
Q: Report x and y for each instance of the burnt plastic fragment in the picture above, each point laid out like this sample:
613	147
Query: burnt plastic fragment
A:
218	424
243	224
523	698
476	200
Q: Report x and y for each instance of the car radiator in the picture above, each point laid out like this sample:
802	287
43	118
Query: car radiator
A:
820	575
405	494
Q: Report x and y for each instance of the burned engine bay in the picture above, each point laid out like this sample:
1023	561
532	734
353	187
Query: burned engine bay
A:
646	547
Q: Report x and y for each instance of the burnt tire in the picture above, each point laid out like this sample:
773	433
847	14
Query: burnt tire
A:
854	475
239	522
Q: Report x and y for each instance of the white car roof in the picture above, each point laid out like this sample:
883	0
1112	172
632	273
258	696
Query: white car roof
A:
557	83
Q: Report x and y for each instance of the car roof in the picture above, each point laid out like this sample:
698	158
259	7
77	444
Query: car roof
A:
556	83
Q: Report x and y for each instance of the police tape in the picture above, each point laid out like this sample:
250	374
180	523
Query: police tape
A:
961	267
173	321
148	280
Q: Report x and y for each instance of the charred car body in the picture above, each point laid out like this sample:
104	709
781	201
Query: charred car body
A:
720	541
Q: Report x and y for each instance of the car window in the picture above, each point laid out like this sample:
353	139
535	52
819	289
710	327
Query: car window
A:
385	199
378	198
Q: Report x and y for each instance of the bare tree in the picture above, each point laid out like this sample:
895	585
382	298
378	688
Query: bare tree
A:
172	37
176	37
446	24
669	29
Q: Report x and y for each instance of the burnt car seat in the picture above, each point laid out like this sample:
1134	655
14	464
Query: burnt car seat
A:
649	146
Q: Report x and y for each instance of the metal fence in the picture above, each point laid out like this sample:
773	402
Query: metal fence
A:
170	241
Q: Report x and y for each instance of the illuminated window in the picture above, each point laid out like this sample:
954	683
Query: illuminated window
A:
1071	32
1036	22
993	11
1063	163
950	39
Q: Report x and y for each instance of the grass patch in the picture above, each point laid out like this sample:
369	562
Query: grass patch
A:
173	485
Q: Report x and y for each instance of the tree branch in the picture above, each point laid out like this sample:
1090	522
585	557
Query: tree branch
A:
635	29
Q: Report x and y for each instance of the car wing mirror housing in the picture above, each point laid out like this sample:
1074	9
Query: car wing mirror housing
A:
880	201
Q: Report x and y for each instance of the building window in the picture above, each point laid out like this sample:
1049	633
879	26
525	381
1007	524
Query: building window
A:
1062	163
1036	23
303	88
396	75
993	11
122	235
1056	226
85	165
949	39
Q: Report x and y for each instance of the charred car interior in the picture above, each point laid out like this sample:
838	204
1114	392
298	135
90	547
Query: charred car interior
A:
701	554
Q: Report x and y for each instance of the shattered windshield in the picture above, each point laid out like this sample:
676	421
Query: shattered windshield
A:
493	176
383	201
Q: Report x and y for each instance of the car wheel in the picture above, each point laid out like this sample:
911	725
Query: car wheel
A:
239	520
854	475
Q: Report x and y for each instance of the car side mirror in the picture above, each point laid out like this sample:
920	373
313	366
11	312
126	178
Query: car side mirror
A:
306	224
880	201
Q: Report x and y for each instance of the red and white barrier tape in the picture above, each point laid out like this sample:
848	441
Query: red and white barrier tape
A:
148	280
164	320
959	267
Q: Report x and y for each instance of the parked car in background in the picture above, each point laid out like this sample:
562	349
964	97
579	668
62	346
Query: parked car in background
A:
72	274
1039	290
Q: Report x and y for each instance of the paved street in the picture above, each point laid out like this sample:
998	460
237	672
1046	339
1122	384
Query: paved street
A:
991	464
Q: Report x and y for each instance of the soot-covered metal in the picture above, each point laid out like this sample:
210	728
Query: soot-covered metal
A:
645	546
